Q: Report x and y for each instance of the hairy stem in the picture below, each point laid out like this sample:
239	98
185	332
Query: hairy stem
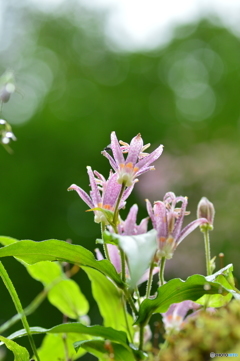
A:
161	272
104	245
9	285
207	251
115	215
150	278
126	319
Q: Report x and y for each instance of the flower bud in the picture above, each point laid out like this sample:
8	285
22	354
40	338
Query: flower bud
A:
206	210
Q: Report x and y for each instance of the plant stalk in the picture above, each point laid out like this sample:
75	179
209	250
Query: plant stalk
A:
161	271
207	251
9	285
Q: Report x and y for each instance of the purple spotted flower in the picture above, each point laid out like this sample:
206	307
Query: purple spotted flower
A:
128	227
136	162
104	194
177	315
168	220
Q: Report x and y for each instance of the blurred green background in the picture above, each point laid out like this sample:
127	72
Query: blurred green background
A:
73	90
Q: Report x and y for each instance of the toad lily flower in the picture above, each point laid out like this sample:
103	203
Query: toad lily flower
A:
103	195
136	162
168	220
127	228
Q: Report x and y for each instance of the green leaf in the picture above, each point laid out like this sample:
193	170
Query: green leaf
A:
20	353
7	240
109	300
176	291
106	350
46	272
107	333
52	250
225	278
68	298
55	347
139	249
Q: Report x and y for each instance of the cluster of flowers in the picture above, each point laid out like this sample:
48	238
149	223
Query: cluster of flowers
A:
108	196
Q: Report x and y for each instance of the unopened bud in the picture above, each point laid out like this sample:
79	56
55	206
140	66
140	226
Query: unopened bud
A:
206	210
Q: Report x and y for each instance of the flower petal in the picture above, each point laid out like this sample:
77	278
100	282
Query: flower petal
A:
82	194
149	159
190	227
178	224
95	194
114	257
111	160
134	149
116	149
160	216
130	222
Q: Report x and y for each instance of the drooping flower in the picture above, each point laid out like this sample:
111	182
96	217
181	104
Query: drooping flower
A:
175	317
168	220
178	315
136	162
128	227
103	195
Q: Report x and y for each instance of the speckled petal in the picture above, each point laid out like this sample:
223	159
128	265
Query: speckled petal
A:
134	149
178	224
190	227
114	257
95	194
143	226
112	191
130	221
149	159
160	216
116	149
82	194
111	160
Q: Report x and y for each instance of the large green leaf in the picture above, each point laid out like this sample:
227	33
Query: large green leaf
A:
55	347
20	353
110	303
52	250
176	291
139	249
106	351
46	272
107	333
225	278
68	298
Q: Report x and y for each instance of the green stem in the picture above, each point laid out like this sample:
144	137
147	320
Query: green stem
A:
207	251
9	285
115	215
138	297
150	278
161	272
123	265
130	301
104	245
126	319
141	337
27	311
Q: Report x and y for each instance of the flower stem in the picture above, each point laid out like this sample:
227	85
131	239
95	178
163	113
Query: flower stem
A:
126	319
130	301
115	215
9	285
104	245
161	272
207	251
141	337
150	278
123	265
